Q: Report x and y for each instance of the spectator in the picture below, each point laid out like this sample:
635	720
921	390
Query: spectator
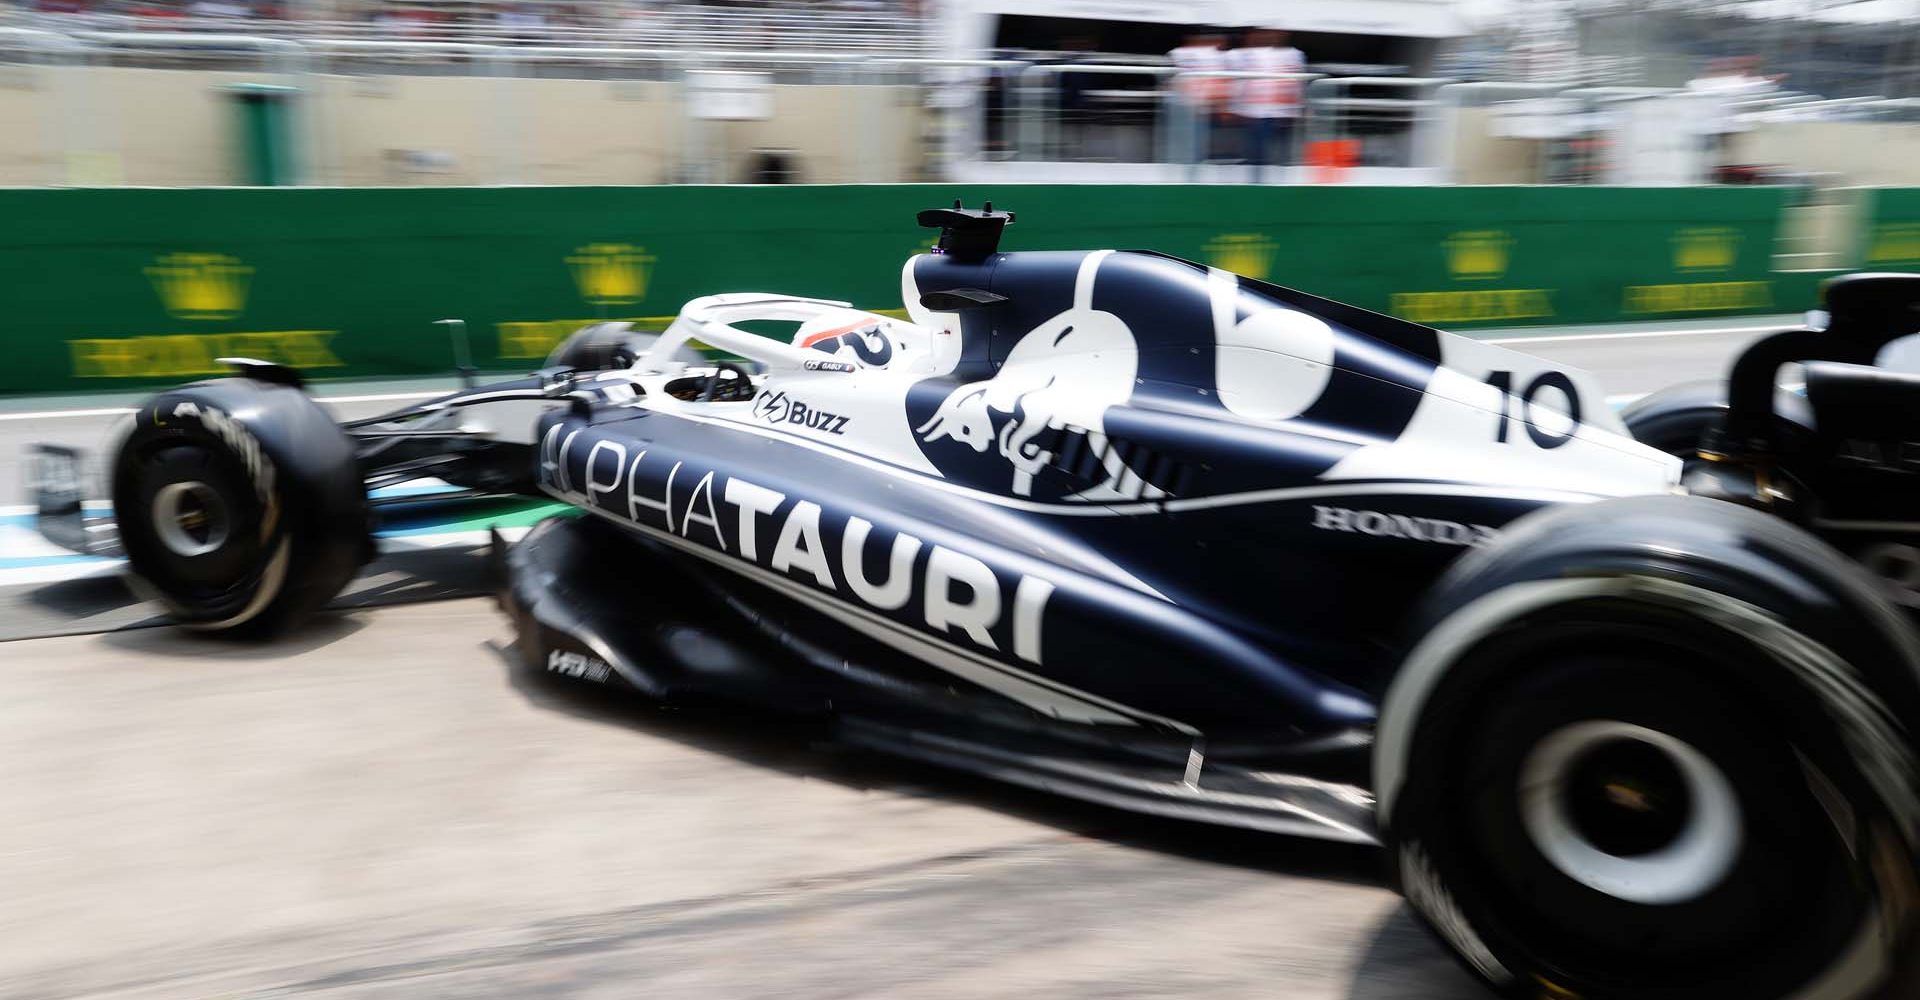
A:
1269	109
1203	98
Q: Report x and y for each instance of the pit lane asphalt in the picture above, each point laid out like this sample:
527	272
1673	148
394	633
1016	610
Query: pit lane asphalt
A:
387	805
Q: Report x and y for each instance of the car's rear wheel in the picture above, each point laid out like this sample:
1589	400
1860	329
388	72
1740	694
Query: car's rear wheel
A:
1676	419
1612	814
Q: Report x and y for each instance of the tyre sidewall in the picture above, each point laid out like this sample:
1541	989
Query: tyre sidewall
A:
1444	876
293	472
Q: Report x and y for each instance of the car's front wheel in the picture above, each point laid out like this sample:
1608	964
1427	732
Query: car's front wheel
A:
239	505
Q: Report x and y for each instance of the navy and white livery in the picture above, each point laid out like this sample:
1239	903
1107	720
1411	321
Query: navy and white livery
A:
1611	694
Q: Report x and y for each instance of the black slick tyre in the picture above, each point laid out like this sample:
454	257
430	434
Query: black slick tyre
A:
1640	781
239	505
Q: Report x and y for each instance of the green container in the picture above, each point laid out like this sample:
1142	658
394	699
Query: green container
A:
265	134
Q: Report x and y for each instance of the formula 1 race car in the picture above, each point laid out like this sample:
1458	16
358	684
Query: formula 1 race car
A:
1127	528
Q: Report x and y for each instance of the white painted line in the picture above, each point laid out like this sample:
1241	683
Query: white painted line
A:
81	569
22	542
1630	334
21	576
115	411
56	414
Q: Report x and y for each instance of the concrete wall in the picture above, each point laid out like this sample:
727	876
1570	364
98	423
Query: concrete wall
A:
1478	157
1862	153
118	126
165	128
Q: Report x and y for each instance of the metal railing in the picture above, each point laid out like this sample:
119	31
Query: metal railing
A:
763	27
1385	127
1041	110
1125	114
959	115
1195	133
1043	120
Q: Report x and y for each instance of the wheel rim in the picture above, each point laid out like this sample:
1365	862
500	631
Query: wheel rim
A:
1630	812
190	519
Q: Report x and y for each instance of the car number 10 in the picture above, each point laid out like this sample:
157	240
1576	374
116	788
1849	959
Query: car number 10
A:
1542	436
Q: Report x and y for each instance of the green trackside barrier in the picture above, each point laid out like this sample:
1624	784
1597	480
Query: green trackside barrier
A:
1799	291
118	288
1890	241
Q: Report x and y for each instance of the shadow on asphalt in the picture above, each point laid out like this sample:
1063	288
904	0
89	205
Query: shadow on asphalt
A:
806	748
106	604
321	631
1403	962
413	576
70	607
1400	961
82	598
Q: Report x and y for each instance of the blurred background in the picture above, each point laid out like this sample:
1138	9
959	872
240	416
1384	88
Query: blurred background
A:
442	92
385	805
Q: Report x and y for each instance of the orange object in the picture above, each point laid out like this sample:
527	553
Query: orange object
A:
1330	159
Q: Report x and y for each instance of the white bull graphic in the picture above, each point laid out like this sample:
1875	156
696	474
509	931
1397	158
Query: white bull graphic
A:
1064	372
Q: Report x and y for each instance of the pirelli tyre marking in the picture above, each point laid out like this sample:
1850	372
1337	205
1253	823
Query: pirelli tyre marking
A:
246	447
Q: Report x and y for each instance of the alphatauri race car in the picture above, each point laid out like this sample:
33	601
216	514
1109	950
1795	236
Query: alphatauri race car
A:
1625	697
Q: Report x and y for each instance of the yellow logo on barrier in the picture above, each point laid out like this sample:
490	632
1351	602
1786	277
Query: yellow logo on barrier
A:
1488	306
611	274
1702	296
1478	255
1894	243
1705	248
201	286
1475	255
1700	250
185	354
1249	254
